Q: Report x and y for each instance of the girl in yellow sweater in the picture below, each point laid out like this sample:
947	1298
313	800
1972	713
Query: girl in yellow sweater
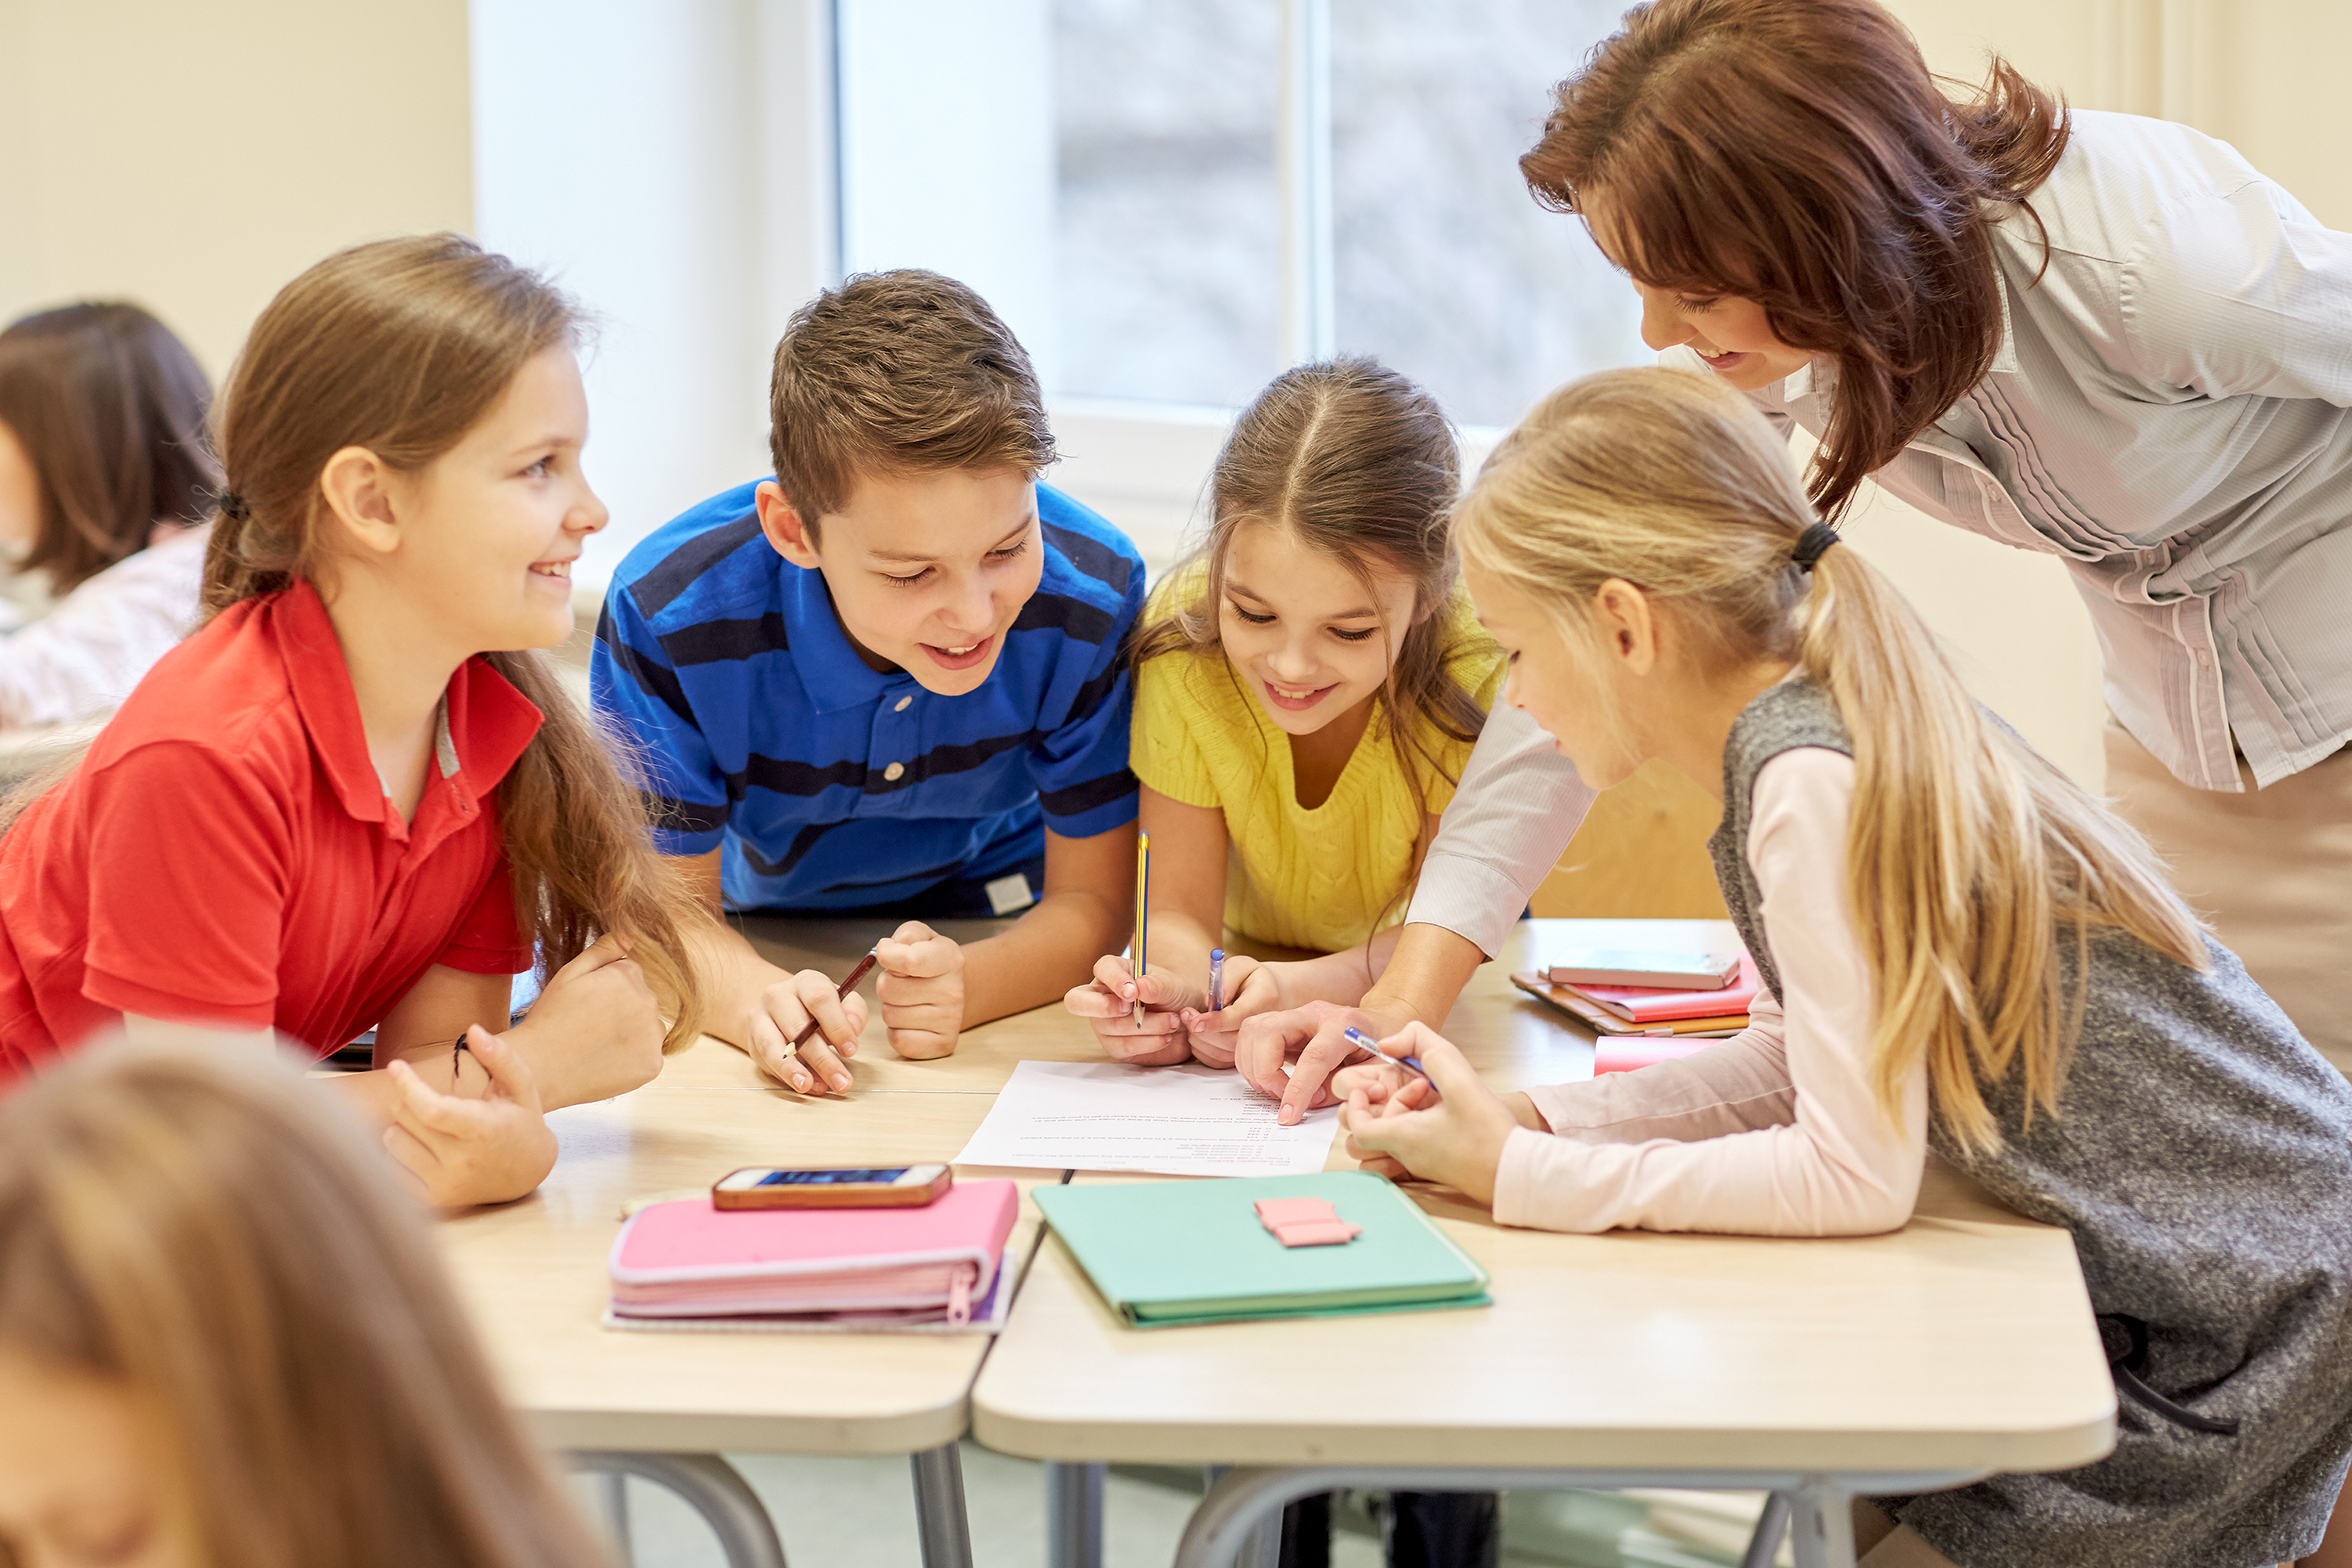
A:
1306	693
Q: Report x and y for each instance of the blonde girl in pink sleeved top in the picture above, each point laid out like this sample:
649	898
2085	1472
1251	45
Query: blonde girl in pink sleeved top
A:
1961	949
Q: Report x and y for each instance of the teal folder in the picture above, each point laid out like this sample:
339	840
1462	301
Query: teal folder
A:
1164	1253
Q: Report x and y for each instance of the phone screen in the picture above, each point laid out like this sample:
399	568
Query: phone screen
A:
824	1178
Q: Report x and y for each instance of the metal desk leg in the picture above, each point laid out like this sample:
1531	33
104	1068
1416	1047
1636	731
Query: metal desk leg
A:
611	1489
938	1507
1262	1548
1765	1544
1822	1522
710	1485
1073	1515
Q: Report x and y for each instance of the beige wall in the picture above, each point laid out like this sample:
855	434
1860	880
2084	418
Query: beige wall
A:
194	156
2264	76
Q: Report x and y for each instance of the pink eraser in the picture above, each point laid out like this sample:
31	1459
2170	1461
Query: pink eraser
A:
1317	1233
1275	1211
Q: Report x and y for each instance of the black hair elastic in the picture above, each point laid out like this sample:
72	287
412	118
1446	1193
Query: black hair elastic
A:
232	506
1813	544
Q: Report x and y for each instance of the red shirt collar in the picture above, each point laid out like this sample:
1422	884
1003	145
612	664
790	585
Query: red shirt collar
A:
489	722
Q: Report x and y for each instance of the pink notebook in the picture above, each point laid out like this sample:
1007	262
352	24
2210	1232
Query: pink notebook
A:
1646	1005
1630	1053
689	1259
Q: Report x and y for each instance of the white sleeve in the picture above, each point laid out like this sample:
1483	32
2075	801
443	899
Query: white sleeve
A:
84	657
1518	804
1718	1141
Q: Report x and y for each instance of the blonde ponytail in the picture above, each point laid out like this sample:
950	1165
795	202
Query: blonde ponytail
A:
1968	857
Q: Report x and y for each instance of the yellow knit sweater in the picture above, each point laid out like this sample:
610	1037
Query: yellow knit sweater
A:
1325	878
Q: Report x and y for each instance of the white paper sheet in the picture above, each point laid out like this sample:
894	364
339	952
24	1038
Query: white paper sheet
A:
1189	1120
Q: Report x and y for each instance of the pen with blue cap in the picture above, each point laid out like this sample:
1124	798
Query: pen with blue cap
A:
1363	1041
1216	980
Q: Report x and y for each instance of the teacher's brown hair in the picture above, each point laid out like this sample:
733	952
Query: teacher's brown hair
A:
1801	154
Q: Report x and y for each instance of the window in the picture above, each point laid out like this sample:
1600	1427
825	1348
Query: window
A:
1171	202
1246	182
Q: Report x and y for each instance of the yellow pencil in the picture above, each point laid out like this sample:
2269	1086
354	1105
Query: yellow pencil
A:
1142	904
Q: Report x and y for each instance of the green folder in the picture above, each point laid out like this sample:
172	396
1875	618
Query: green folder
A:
1164	1253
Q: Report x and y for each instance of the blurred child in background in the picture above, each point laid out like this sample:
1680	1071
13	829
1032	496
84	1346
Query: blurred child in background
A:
225	1341
105	480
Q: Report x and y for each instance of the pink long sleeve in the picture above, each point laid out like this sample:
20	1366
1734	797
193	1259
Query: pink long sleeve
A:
1773	1133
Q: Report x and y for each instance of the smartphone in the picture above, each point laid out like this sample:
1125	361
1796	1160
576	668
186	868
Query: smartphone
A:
887	1186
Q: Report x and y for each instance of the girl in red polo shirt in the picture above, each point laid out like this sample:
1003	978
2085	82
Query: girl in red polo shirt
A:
347	801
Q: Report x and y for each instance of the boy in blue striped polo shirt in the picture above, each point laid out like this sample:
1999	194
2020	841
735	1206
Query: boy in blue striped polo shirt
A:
890	677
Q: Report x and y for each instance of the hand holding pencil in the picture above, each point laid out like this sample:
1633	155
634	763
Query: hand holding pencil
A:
823	1018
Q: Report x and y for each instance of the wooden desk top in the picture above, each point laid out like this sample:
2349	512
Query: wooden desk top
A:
533	1272
1622	1349
1963	1343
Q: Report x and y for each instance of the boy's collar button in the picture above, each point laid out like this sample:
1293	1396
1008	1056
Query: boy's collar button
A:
893	771
901	705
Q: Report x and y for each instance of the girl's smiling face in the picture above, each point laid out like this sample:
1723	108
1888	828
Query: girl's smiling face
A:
481	540
1309	637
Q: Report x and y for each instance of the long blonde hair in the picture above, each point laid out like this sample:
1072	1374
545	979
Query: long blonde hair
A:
199	1225
1968	855
401	347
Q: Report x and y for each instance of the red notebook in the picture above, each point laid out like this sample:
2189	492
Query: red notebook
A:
1643	1004
689	1260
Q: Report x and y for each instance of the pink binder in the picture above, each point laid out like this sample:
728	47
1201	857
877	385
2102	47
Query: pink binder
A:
689	1259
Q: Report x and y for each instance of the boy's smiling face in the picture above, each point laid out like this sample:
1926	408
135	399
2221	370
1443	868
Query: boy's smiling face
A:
927	571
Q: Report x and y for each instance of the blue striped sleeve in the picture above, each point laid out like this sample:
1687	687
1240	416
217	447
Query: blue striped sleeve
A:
633	686
1083	784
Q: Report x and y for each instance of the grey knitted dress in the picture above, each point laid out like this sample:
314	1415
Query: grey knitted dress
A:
2203	1159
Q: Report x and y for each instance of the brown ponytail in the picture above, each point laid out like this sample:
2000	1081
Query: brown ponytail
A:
400	347
1968	856
1798	153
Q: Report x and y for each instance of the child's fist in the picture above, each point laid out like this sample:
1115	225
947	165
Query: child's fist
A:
920	990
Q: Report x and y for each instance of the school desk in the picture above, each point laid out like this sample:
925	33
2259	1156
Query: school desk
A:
1959	1346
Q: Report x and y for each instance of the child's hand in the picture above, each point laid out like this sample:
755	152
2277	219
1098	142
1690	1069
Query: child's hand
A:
1455	1135
1315	1035
785	1009
1150	1036
922	991
1250	988
461	1150
1378	1075
596	1029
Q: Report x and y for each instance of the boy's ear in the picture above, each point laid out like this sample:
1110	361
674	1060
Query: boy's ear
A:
790	535
356	485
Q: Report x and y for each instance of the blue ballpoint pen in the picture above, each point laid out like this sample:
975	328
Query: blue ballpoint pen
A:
1216	980
1356	1038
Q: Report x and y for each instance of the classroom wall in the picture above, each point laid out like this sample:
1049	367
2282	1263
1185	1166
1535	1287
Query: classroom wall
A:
195	156
665	160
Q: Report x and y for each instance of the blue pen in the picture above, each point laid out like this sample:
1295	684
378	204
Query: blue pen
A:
1363	1041
1216	980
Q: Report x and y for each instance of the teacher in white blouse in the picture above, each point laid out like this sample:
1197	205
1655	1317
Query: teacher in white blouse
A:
2103	338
